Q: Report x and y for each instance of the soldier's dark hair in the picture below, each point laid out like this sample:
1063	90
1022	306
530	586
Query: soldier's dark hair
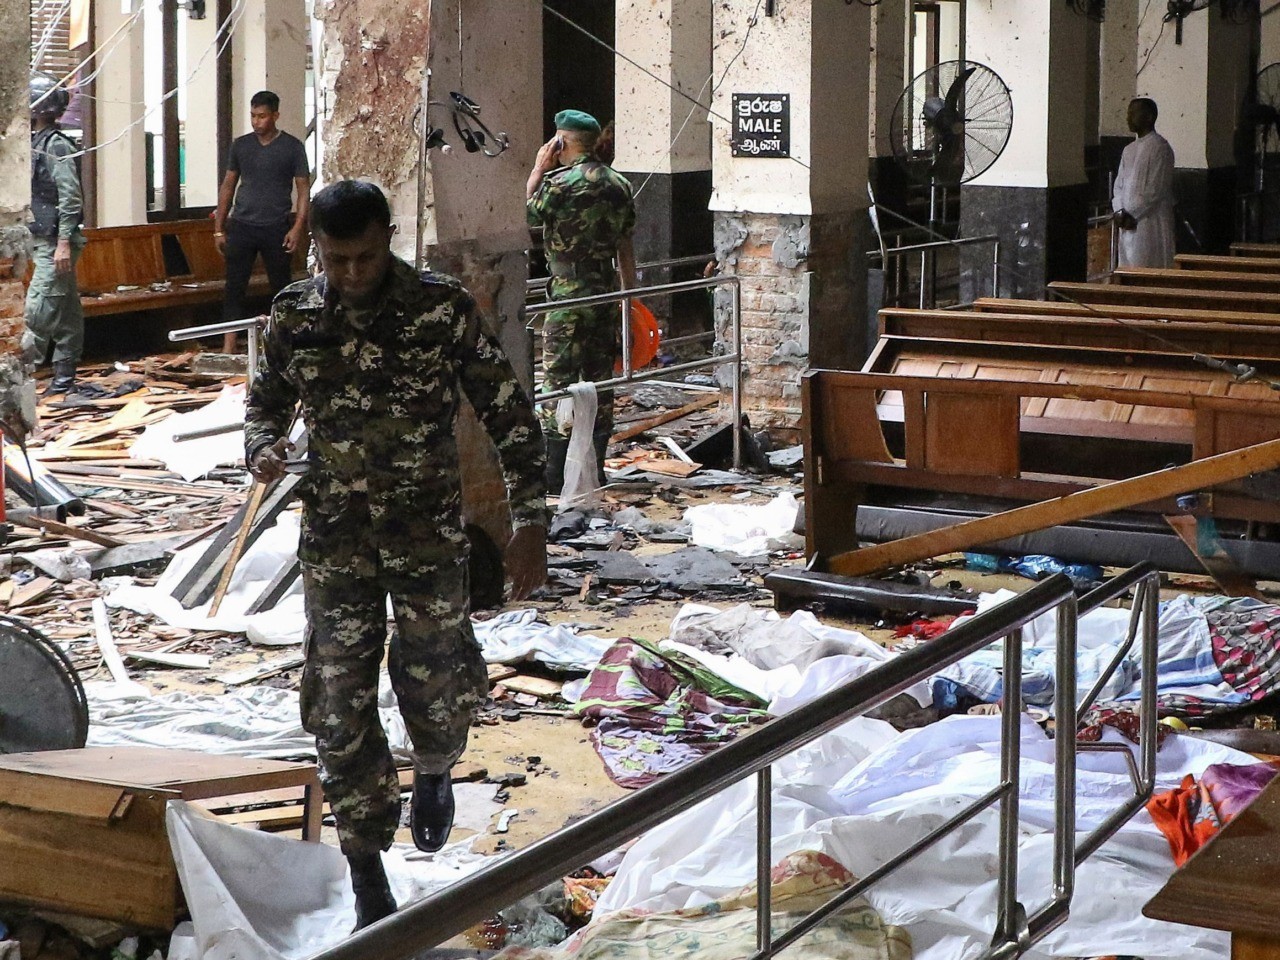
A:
265	98
1149	106
346	209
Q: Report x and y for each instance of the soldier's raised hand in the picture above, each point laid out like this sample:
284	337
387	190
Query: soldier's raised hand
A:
269	463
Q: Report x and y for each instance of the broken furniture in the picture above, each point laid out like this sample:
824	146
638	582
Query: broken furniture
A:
935	431
83	831
162	265
1227	884
42	702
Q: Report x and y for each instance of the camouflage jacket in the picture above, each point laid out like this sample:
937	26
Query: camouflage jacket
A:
586	209
379	391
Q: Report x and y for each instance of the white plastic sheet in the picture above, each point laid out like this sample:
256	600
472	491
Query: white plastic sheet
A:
744	528
581	472
249	721
516	635
280	626
862	797
255	895
192	459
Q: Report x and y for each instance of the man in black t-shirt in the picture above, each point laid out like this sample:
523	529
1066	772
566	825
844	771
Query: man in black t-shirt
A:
263	169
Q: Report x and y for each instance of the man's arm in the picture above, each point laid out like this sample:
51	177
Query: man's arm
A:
507	415
226	193
269	406
302	206
70	198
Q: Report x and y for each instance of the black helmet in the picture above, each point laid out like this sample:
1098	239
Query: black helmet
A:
48	97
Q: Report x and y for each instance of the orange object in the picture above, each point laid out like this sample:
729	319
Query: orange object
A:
644	337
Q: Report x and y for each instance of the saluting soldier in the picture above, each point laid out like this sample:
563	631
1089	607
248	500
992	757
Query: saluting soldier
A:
379	357
587	213
53	313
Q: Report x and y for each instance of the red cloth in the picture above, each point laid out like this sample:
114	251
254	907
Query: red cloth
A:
1195	810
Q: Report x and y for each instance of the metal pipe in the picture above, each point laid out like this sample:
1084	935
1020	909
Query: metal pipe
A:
1150	657
212	329
764	861
642	376
626	337
453	909
207	432
1064	753
597	299
1010	920
251	359
934	244
995	269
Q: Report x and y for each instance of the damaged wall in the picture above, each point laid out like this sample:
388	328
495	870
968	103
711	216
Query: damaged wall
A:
468	220
793	229
15	189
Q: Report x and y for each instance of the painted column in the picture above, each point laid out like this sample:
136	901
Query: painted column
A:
197	104
663	140
888	79
795	228
468	219
269	52
122	161
1035	196
1199	86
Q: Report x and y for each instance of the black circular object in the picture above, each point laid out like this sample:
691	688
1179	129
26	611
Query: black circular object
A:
42	702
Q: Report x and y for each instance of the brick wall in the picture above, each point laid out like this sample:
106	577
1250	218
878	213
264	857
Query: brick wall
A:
800	305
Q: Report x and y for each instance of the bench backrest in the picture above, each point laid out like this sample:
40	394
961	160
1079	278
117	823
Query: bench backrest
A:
178	250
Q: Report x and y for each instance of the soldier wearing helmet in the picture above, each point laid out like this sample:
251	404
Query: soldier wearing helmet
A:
54	318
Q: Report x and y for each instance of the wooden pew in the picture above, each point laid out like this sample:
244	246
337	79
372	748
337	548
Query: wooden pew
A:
968	426
1084	331
1255	249
1166	297
1236	264
1064	308
160	265
1197	279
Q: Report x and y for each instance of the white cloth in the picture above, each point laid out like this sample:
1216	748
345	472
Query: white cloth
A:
1144	189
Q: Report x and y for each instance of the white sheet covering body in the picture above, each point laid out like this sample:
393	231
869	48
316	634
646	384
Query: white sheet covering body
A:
1144	189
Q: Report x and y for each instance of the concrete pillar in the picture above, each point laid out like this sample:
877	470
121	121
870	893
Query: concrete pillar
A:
197	107
269	52
663	140
888	79
15	196
121	162
1035	196
469	219
793	229
1117	82
1199	86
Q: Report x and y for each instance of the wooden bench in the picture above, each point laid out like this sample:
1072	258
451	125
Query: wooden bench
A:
1200	261
160	265
1255	249
1064	308
1084	331
1217	280
1169	297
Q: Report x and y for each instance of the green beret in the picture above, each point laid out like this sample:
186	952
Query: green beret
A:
577	120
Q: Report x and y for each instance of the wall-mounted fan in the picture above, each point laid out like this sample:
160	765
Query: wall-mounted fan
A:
951	123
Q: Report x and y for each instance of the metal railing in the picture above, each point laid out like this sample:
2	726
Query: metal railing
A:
249	324
455	908
629	375
928	263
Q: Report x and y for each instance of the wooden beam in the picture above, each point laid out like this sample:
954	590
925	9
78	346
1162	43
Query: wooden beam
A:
635	429
1197	475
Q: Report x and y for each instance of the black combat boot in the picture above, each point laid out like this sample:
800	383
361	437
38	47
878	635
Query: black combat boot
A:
64	377
373	893
557	452
431	811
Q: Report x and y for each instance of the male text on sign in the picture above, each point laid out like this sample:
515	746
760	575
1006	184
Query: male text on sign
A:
761	125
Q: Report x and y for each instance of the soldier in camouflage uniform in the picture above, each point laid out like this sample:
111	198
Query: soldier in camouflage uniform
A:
587	214
55	320
379	357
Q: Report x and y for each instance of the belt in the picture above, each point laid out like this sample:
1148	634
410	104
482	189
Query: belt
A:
577	269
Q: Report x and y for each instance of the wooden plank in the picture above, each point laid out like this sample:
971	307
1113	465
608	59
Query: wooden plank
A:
1198	475
1231	580
1236	264
635	429
971	435
1124	311
1215	280
66	795
66	530
237	549
1255	249
1153	296
534	686
31	592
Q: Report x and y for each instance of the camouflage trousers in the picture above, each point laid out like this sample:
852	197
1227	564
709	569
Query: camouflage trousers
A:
437	673
53	311
578	345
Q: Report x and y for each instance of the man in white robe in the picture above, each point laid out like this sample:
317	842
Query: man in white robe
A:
1143	195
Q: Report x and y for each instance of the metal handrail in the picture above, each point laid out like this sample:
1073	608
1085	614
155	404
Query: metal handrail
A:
534	283
928	260
629	375
455	908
